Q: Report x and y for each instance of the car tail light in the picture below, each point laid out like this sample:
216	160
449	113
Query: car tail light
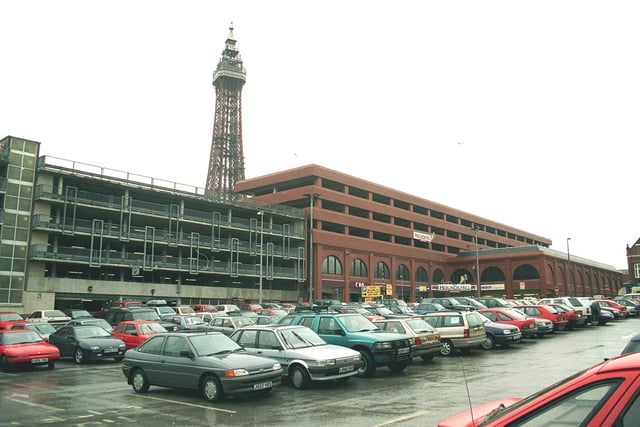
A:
417	340
466	333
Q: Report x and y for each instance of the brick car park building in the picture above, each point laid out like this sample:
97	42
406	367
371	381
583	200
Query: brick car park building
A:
391	243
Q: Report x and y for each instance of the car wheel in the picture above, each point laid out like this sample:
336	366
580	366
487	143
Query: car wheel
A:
427	357
368	368
4	363
446	348
489	343
78	355
139	381
51	364
211	389
398	366
299	377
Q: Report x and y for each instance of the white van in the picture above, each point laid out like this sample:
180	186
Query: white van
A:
574	302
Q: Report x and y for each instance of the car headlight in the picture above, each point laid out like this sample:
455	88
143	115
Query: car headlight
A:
328	362
94	348
383	345
235	373
122	346
276	366
506	331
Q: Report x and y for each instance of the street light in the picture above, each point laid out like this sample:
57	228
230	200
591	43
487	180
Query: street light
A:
568	262
312	197
475	229
261	213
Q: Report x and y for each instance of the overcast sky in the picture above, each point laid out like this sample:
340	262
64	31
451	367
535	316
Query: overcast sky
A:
524	113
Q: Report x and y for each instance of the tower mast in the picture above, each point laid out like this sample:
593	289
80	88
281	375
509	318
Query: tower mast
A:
226	161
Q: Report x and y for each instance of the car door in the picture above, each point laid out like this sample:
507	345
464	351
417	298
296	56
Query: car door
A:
66	341
269	346
179	370
332	331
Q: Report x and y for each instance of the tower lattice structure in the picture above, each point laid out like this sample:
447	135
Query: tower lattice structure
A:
226	162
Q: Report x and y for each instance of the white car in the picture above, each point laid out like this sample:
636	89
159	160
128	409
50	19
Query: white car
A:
574	302
225	308
49	316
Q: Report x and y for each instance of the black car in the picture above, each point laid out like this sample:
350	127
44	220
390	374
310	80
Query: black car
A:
77	313
87	343
428	307
207	361
499	333
116	315
450	303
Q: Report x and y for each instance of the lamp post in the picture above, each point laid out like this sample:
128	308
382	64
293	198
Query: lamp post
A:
568	262
475	229
312	198
261	213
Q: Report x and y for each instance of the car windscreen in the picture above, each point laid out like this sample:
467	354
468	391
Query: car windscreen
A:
91	332
301	338
22	337
210	345
419	325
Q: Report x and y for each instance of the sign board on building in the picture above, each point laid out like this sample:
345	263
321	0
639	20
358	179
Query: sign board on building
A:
423	237
493	287
444	287
371	292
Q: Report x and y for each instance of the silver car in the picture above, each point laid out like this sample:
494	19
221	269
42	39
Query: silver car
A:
304	356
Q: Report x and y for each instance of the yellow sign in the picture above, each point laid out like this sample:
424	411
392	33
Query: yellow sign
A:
371	292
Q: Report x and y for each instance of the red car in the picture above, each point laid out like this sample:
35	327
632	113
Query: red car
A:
614	304
10	318
574	316
134	332
514	317
603	395
559	320
204	308
24	347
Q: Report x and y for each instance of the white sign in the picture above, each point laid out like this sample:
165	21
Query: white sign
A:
423	237
453	287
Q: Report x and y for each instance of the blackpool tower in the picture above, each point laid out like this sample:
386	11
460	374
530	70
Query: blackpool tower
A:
226	162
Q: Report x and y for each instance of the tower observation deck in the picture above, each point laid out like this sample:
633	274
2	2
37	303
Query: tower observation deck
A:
226	161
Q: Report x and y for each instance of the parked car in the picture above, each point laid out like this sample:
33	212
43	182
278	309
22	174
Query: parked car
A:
472	302
207	361
377	348
304	356
164	311
558	319
204	308
228	324
184	310
95	321
43	329
265	320
208	316
607	303
545	326
55	317
515	317
225	308
190	323
633	306
428	307
10	318
459	330
23	347
250	307
135	332
575	302
271	312
118	314
426	340
85	343
603	395
574	316
499	333
492	302
360	310
633	346
450	303
382	310
77	313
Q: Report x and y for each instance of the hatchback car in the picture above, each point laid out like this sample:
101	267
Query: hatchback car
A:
499	333
515	317
10	318
426	340
603	395
85	343
228	324
559	320
55	317
459	330
135	332
23	347
304	356
207	361
43	329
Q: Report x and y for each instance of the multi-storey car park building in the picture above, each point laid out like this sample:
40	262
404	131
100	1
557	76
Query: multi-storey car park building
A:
368	240
73	232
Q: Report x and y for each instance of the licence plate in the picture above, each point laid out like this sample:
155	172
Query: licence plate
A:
262	386
345	369
34	361
403	350
110	350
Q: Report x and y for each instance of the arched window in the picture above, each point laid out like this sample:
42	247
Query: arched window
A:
422	275
382	271
402	273
358	268
331	265
526	272
438	276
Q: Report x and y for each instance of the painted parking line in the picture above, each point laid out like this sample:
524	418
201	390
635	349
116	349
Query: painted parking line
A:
35	405
403	419
210	408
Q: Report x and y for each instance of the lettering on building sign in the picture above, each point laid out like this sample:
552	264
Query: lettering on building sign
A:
423	237
453	287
